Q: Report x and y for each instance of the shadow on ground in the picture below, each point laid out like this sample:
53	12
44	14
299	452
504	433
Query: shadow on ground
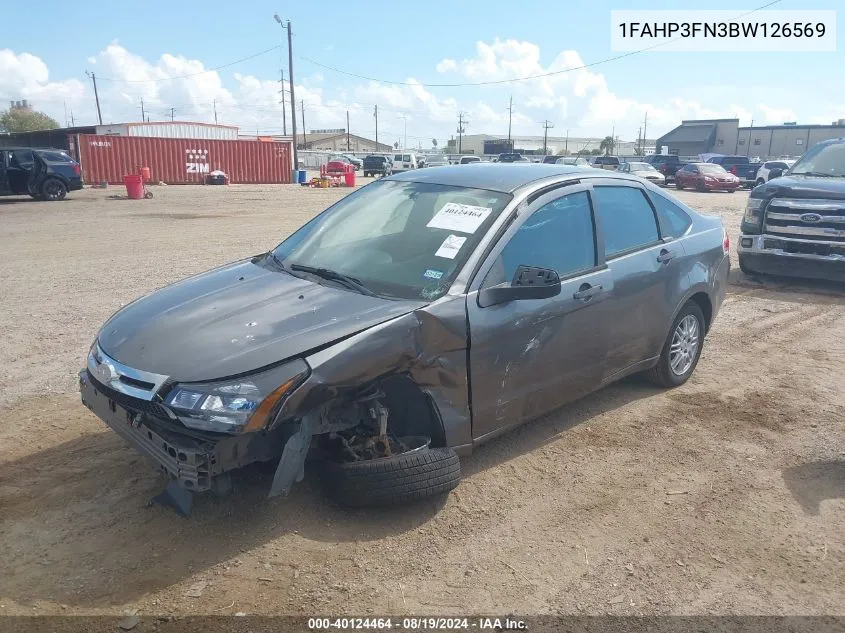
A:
78	528
815	482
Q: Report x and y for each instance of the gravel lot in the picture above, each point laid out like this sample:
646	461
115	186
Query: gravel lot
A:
726	495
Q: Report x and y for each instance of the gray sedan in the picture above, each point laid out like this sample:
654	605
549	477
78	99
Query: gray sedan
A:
416	318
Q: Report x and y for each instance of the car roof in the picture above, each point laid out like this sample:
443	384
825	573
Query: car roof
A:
503	177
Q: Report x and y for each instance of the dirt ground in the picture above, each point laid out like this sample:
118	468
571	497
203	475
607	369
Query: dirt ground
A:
726	495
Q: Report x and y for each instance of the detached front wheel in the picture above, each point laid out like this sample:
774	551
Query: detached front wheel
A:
419	472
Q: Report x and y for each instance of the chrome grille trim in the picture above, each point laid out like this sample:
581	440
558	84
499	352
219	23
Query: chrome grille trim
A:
809	205
108	371
796	217
807	230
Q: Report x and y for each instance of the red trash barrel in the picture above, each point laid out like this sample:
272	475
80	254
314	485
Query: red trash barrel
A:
134	186
350	177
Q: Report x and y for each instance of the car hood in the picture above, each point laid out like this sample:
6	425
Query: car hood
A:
236	319
805	187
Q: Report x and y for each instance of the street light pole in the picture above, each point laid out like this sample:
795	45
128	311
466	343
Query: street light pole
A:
292	94
404	117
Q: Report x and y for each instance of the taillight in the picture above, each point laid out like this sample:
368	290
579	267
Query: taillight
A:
726	242
733	170
77	169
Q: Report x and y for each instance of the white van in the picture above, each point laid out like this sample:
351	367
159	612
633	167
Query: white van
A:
402	162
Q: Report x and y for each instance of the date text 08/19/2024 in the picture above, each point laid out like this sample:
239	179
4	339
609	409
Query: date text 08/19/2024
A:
418	623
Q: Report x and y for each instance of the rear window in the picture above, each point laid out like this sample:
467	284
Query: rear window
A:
674	221
398	158
406	158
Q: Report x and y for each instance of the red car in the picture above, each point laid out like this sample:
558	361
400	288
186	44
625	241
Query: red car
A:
705	177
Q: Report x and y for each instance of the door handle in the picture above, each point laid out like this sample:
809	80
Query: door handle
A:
665	256
586	292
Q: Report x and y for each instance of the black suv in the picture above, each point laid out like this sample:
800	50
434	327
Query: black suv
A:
512	157
47	174
666	164
794	224
377	165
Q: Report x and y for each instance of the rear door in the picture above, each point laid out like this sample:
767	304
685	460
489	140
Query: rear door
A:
528	357
647	269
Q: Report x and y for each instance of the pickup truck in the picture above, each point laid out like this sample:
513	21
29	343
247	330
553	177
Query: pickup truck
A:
666	164
739	166
375	165
794	224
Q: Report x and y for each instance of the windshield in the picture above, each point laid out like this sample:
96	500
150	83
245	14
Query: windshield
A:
711	169
641	167
822	160
399	239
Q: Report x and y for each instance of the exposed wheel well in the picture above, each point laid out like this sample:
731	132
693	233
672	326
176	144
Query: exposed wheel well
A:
412	412
703	301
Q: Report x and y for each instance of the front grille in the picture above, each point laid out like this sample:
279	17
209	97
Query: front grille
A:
136	405
806	219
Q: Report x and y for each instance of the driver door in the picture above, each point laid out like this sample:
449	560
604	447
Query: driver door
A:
528	357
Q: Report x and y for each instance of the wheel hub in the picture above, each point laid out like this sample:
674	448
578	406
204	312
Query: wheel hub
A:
684	347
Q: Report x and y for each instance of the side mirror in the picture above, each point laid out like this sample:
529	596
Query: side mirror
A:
529	282
777	172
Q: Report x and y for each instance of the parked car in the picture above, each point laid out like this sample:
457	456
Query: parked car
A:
416	318
794	224
404	161
343	158
549	159
46	174
643	170
466	160
666	164
510	157
437	161
377	165
762	175
739	166
355	161
578	161
705	177
605	162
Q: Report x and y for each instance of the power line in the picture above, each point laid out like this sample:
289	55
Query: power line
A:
517	79
202	72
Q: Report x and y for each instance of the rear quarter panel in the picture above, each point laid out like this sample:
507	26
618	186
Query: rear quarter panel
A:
709	265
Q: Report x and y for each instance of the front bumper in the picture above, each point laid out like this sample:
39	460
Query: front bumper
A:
771	254
189	459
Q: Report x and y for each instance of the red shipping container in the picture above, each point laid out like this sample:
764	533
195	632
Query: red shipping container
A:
182	161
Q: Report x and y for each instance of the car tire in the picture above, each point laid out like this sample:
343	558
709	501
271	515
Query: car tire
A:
759	182
678	186
53	189
667	373
412	476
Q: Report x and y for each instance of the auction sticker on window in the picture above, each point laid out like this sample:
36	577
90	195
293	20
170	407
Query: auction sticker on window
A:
450	247
463	218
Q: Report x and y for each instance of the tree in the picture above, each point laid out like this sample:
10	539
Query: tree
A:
606	145
563	152
595	152
25	120
583	152
434	143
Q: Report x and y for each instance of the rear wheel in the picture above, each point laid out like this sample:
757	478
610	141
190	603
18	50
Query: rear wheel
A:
53	189
682	348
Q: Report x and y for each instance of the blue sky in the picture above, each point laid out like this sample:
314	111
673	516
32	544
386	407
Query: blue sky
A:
129	44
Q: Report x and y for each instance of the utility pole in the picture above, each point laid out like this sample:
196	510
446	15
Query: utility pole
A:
214	104
461	130
302	107
645	128
284	104
347	131
292	94
172	114
375	114
96	95
405	118
143	114
612	137
510	116
72	121
566	147
547	125
639	141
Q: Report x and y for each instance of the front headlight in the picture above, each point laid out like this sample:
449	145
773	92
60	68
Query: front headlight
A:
238	405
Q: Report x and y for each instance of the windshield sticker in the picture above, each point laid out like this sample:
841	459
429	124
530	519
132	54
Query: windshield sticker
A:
430	273
450	247
459	217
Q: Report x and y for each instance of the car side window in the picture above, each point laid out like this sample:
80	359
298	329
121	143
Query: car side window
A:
673	219
627	219
559	235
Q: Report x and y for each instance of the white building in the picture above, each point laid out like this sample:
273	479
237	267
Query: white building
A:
485	144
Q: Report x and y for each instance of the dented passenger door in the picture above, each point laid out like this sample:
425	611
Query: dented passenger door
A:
529	356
